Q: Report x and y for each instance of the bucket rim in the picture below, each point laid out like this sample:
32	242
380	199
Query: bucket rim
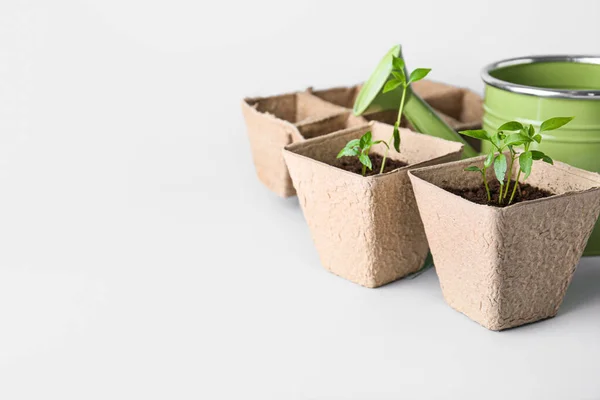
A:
538	91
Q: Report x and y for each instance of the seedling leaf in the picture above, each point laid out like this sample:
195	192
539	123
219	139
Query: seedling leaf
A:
537	155
391	85
531	131
381	141
365	140
511	126
473	168
399	75
526	161
396	137
476	133
489	159
398	63
353	142
554	123
516	139
495	139
365	160
418	74
537	138
500	167
348	152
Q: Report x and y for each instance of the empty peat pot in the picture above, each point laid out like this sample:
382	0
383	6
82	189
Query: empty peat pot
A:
276	121
533	89
459	107
505	267
366	229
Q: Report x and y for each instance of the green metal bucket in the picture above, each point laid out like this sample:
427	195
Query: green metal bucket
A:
533	89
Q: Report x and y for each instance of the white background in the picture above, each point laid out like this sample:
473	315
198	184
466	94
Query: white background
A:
140	258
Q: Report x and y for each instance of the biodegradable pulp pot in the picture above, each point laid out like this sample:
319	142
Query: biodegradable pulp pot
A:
366	229
458	107
274	122
505	267
533	89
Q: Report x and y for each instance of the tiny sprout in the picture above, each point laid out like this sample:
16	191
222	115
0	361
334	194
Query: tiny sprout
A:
360	148
507	137
398	79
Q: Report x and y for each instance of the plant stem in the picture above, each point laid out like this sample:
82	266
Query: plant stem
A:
485	183
512	160
501	191
517	180
384	158
398	119
364	170
515	187
401	108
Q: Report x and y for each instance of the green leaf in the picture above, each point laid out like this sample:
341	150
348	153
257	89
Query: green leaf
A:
418	74
537	138
511	126
495	139
473	168
489	159
391	85
399	75
396	137
531	131
526	161
537	155
365	140
554	123
349	152
516	139
353	142
381	141
365	160
500	167
398	63
476	133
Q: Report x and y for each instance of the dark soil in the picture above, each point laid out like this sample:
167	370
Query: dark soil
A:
353	165
479	196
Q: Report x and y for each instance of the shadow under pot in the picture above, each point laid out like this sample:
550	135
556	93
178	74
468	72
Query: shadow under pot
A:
366	229
505	267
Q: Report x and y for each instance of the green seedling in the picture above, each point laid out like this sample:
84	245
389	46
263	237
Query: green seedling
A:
360	148
398	79
508	136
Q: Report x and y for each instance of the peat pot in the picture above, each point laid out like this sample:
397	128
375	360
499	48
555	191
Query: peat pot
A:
276	121
366	229
533	89
505	267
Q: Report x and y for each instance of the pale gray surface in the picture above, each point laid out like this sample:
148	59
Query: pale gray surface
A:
141	259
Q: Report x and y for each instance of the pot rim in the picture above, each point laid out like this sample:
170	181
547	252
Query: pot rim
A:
537	91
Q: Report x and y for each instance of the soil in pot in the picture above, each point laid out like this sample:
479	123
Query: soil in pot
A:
478	194
352	164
